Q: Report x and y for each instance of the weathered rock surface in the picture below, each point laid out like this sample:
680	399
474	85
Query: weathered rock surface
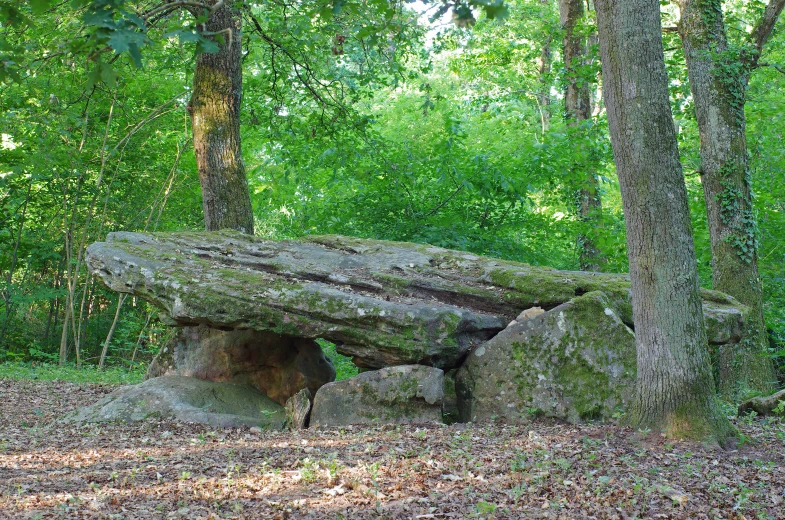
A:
575	362
278	366
764	405
383	303
298	409
400	394
187	399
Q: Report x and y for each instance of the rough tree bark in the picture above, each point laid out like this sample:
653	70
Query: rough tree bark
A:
718	76
215	118
577	108
674	388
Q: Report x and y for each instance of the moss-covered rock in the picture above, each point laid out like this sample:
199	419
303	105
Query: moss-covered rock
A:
575	362
186	399
400	394
773	404
383	303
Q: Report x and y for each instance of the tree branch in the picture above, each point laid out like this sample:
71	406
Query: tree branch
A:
778	68
296	65
760	34
170	6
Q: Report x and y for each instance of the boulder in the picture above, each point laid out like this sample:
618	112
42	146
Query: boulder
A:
770	405
186	399
575	362
298	409
400	394
383	303
278	366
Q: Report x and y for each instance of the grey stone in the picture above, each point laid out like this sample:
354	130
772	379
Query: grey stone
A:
186	399
278	366
400	394
575	362
383	303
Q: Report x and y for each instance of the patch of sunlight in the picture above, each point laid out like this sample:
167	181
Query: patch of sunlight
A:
8	143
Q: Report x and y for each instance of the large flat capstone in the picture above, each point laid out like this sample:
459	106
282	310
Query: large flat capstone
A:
383	303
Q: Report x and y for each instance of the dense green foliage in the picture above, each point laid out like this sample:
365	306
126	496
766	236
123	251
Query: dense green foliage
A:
364	123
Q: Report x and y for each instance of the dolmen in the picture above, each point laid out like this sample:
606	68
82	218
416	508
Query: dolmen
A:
438	335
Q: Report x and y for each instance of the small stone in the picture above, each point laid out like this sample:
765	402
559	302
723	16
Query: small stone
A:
298	409
529	313
770	405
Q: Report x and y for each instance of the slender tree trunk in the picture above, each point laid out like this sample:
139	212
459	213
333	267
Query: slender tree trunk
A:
12	267
215	118
54	302
544	94
120	300
577	108
139	338
674	390
718	80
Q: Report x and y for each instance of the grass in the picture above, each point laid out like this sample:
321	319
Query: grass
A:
69	372
41	371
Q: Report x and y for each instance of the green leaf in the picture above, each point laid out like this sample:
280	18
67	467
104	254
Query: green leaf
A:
136	55
40	6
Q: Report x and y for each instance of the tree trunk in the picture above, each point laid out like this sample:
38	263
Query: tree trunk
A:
718	80
14	257
102	360
215	118
674	390
544	91
577	108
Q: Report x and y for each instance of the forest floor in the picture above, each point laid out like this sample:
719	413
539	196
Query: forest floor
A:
162	469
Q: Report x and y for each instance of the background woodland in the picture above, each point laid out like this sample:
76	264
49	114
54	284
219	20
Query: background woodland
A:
363	120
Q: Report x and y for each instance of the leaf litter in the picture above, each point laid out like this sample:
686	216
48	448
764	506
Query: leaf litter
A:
163	469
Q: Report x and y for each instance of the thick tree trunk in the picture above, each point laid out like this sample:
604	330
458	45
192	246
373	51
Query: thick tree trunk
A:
577	108
674	389
718	81
215	117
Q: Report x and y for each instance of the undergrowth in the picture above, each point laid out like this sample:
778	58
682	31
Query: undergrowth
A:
344	368
69	372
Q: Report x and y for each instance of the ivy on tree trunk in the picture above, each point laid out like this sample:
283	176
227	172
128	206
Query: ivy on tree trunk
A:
718	74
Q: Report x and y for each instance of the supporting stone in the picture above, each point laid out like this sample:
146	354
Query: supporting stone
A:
575	362
279	366
393	395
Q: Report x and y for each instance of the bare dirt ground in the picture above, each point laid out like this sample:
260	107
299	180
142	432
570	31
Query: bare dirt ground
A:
162	469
